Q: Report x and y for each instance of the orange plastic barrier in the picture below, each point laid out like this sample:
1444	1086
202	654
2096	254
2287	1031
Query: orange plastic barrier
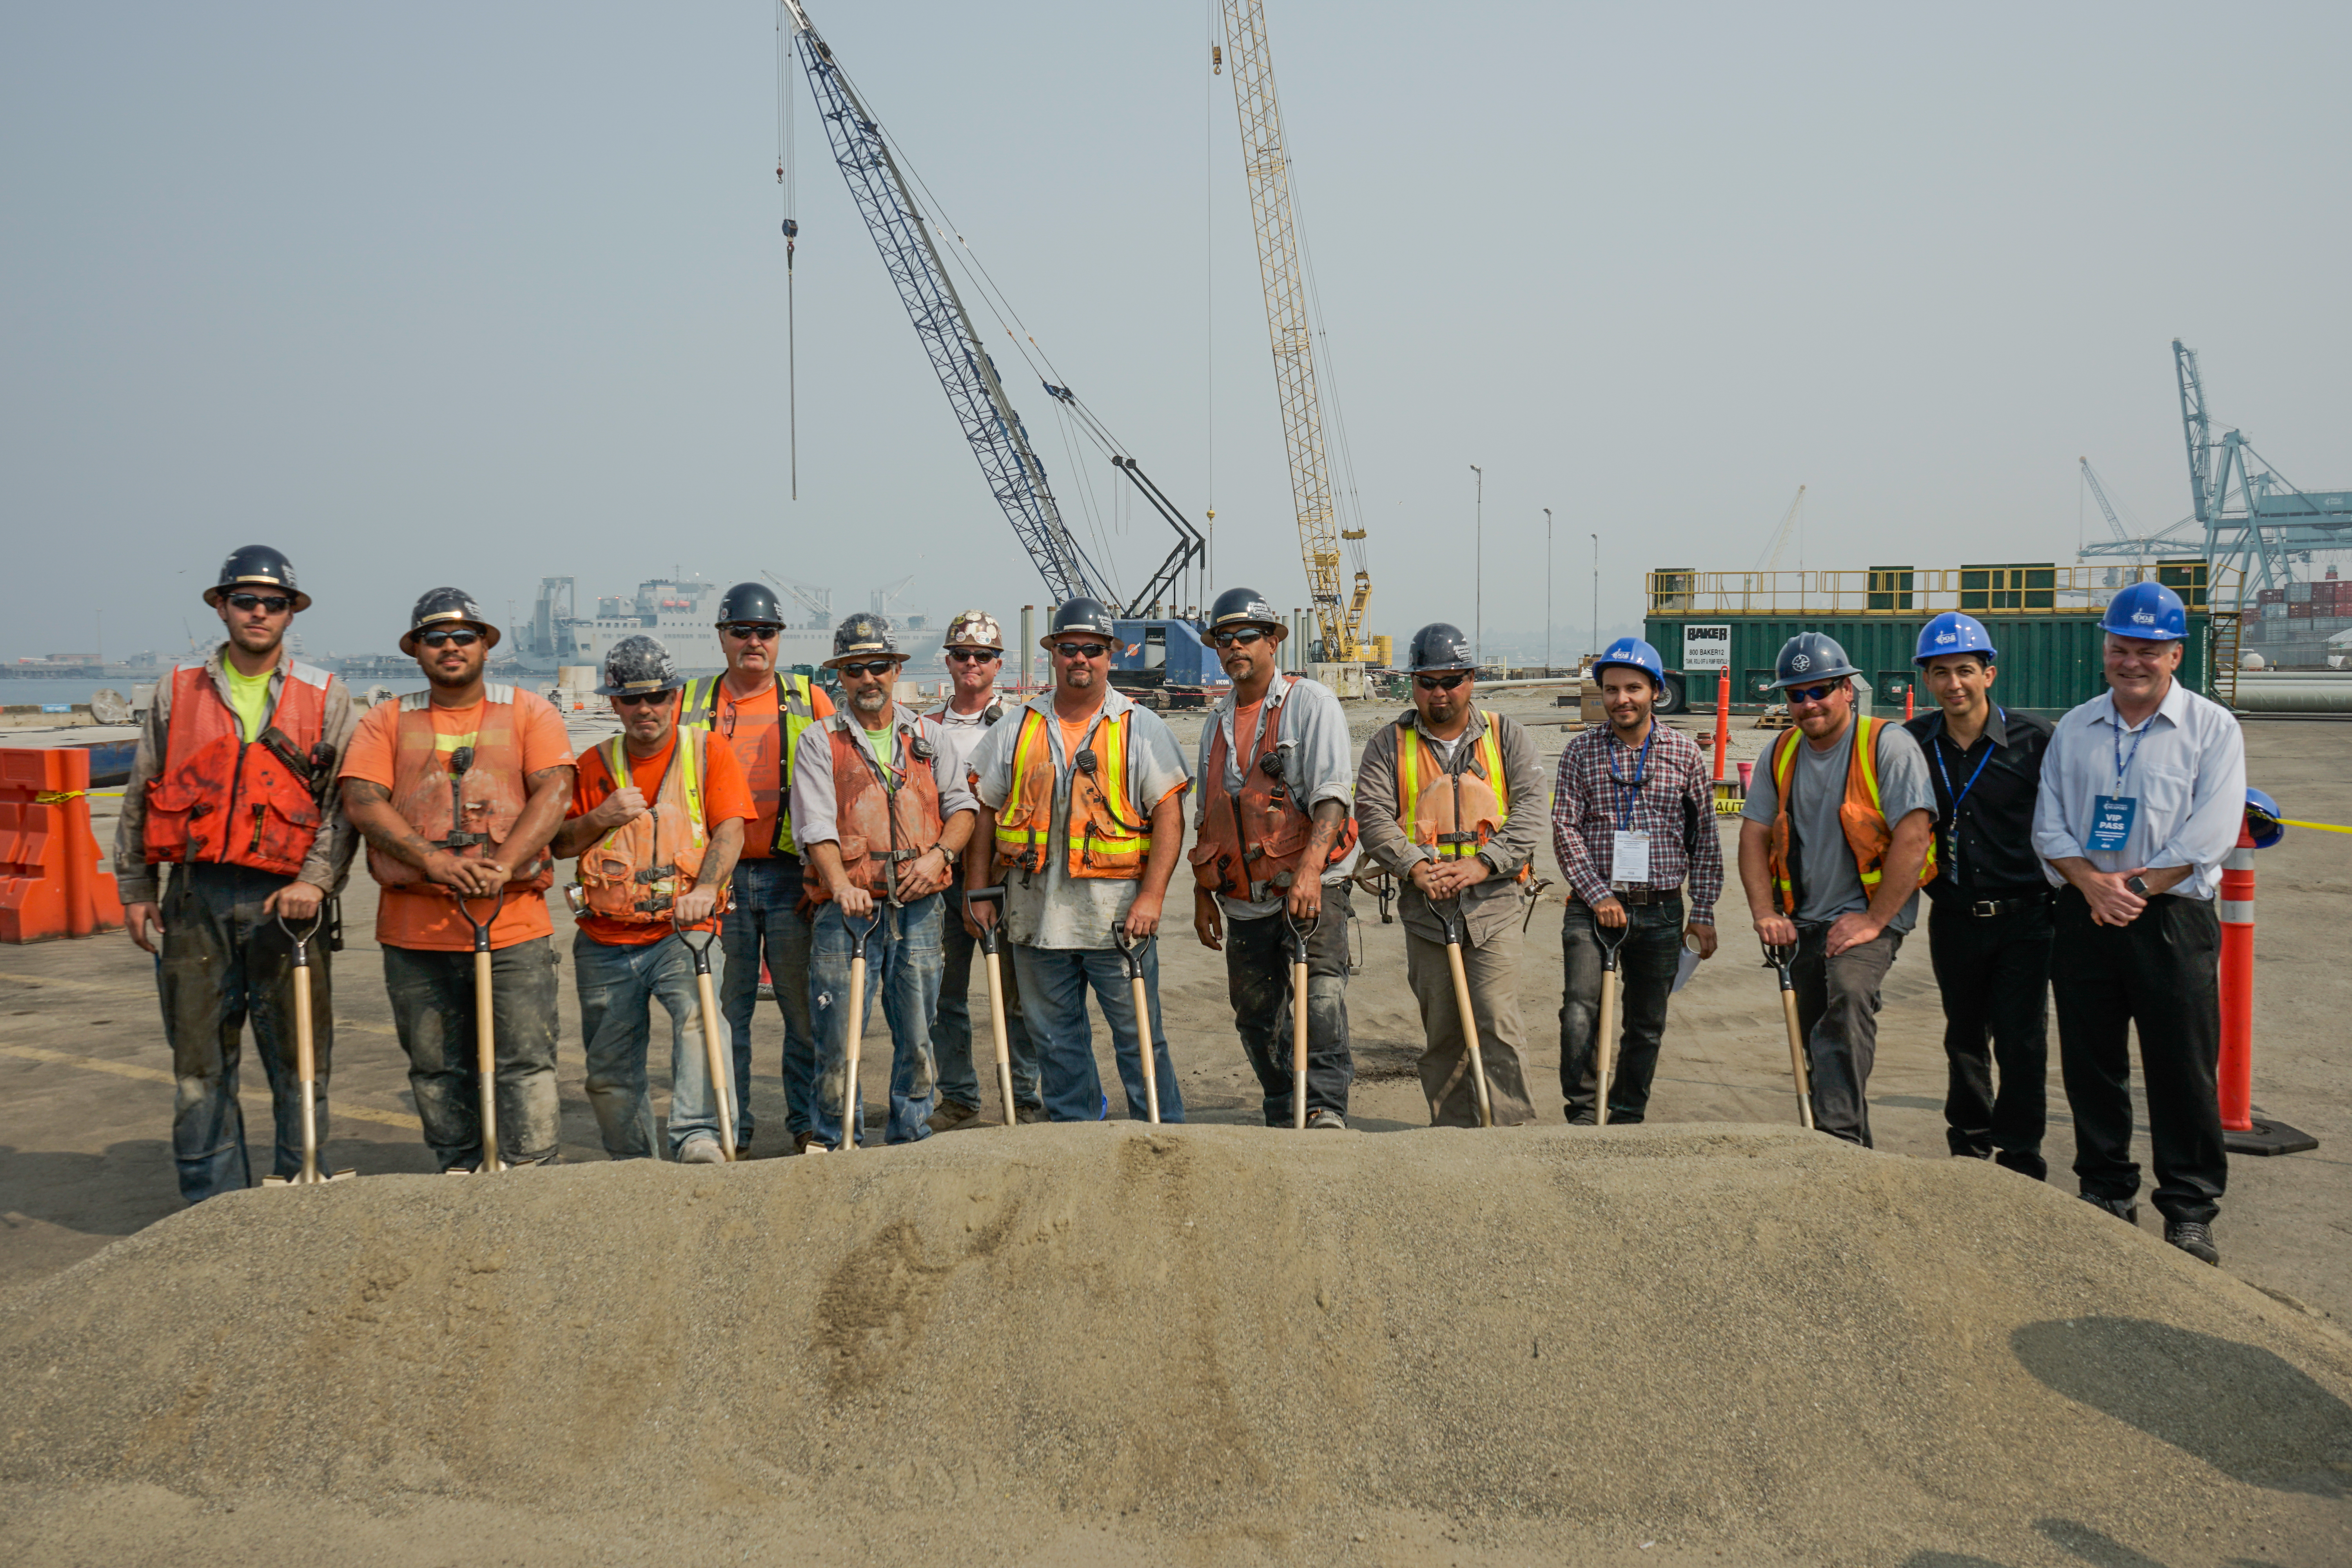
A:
50	883
2241	1132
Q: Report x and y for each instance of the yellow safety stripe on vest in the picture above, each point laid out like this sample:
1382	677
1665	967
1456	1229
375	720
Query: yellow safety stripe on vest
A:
690	780
796	710
1011	839
1784	762
1110	770
1490	753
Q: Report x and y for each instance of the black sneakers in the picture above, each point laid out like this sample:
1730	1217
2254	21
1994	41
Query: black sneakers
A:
2193	1237
2124	1209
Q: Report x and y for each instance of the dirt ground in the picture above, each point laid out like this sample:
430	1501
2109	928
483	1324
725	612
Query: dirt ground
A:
1929	1270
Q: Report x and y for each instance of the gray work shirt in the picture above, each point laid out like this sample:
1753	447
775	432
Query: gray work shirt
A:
328	864
2189	775
959	734
1492	905
813	798
1052	909
1832	883
1319	755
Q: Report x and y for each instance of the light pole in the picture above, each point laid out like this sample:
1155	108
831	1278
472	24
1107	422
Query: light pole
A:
1596	592
1478	589
1547	590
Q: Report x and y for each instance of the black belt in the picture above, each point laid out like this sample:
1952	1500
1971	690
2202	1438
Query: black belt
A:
1987	909
1646	895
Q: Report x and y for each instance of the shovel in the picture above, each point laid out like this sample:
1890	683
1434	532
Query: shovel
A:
306	1059
1298	940
722	1077
1777	959
1451	918
486	1035
1133	952
1605	1044
992	949
849	1105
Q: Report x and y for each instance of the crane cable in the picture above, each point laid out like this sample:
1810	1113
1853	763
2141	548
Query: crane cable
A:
788	177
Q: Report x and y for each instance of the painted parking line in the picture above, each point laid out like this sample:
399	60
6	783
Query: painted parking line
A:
157	1075
129	991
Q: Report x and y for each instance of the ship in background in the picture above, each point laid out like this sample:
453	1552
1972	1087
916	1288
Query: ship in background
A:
683	613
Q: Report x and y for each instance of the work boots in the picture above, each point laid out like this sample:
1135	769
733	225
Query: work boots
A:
2193	1237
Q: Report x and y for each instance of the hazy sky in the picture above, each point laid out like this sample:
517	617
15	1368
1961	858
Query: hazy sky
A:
477	294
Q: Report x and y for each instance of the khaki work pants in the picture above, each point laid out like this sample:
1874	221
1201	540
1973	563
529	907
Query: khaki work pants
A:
1493	970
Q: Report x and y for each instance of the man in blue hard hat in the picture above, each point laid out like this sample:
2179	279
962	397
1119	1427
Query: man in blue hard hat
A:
1632	818
1988	907
1838	836
2144	791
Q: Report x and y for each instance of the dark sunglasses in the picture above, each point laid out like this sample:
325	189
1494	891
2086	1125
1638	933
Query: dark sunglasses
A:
1244	638
1812	693
973	654
276	604
753	633
1439	682
871	667
641	698
459	638
1082	649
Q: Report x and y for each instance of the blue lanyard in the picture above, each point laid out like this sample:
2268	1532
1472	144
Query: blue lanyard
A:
1963	794
2123	762
1629	792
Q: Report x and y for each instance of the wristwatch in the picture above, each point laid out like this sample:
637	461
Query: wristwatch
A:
954	860
2137	885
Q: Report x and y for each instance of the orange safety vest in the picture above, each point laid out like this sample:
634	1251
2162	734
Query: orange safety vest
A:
1867	833
1456	821
1253	841
494	790
880	825
221	798
636	872
1108	839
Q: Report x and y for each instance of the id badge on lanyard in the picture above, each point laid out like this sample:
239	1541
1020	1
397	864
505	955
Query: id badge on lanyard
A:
2112	815
1629	848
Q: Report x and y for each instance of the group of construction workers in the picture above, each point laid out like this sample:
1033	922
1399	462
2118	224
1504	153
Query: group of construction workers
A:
862	856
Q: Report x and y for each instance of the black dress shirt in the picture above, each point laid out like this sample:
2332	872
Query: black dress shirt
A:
1988	852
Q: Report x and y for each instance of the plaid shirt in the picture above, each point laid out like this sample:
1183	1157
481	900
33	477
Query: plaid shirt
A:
1675	797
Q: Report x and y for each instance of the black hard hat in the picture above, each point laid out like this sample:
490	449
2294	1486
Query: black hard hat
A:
864	636
1809	656
256	566
1080	615
636	665
1438	646
753	603
1243	607
446	605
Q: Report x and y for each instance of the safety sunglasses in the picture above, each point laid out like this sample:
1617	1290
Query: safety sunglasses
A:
641	698
1439	682
459	638
1244	638
973	654
1812	693
276	604
871	667
1082	649
753	633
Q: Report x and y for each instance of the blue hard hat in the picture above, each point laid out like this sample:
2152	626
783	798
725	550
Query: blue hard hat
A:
2262	819
1809	656
1633	654
2148	611
1953	632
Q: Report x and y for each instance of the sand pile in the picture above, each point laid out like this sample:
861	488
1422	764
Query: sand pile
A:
1106	1343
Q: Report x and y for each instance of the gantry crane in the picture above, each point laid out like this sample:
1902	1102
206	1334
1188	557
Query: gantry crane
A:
1267	162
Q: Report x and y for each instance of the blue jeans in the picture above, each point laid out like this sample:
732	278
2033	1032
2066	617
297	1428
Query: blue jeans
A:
1054	984
765	922
618	985
956	1044
903	961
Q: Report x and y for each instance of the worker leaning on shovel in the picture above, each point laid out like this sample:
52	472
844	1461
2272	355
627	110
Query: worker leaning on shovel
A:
656	820
883	815
1449	799
233	788
458	789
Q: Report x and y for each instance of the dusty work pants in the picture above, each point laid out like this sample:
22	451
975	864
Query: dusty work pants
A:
224	962
619	985
1837	1014
903	961
2159	974
1257	979
1493	970
432	996
765	923
1994	974
1646	960
957	1044
1054	986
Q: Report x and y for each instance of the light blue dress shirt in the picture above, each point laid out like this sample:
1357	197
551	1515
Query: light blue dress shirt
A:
2186	765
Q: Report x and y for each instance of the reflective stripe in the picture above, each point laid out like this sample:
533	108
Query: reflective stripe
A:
2237	859
2237	911
1490	755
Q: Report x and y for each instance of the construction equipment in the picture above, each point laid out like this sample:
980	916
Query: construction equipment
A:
1604	1043
1132	951
306	1058
991	948
850	1104
485	1033
1777	958
2099	494
1451	918
1298	940
1290	324
1771	560
715	1053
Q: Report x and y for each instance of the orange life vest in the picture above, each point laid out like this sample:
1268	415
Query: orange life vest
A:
494	792
636	872
1867	832
1107	839
1455	811
1250	844
221	798
880	825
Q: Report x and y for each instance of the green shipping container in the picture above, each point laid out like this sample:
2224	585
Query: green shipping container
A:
2049	661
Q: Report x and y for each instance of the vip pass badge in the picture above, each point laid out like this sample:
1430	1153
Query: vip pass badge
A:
2112	815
